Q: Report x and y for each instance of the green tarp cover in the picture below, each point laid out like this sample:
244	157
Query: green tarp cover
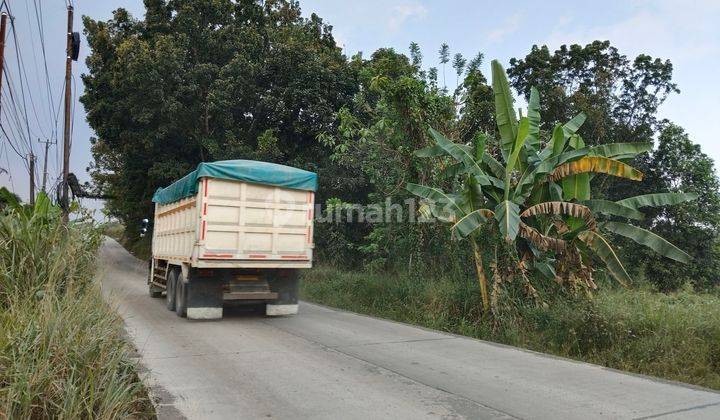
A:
241	170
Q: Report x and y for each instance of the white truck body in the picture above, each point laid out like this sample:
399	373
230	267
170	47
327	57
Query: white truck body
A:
232	230
236	224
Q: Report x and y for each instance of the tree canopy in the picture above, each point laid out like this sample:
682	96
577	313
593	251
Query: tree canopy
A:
205	80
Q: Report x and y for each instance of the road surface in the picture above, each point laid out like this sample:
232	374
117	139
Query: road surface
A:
330	364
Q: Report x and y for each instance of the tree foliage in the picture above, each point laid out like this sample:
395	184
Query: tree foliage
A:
207	80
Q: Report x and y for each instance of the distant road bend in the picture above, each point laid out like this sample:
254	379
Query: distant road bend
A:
329	364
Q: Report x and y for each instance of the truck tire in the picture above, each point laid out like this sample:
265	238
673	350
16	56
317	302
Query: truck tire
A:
170	290
181	296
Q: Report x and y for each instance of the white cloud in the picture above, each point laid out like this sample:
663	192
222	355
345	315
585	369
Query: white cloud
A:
684	32
510	25
405	12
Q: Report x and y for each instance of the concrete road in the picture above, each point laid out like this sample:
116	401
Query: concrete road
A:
329	364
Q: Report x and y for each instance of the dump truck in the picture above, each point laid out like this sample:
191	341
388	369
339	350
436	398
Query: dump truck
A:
234	230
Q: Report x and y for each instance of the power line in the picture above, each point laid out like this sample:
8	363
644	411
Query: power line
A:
40	21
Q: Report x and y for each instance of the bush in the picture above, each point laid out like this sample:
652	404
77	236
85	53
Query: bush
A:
62	349
674	336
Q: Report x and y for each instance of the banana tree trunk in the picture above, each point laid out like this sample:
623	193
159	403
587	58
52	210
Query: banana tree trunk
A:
482	279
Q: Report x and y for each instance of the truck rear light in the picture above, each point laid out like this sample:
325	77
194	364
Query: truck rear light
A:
204	272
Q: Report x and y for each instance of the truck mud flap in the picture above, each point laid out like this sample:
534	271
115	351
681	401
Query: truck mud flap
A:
204	298
286	284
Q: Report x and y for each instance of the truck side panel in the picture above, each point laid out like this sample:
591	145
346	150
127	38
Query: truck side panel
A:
175	231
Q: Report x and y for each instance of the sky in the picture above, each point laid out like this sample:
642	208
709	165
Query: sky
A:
686	32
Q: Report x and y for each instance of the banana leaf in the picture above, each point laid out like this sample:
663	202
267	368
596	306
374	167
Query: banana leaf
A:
657	199
596	164
572	126
612	208
620	150
649	239
435	196
533	115
504	111
471	222
507	214
461	154
600	245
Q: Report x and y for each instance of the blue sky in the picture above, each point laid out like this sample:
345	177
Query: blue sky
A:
686	32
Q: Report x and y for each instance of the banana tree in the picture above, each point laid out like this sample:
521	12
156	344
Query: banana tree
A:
535	193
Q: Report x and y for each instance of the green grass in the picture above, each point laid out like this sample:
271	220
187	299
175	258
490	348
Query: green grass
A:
63	353
673	336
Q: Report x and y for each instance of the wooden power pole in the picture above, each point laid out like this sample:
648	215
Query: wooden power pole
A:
45	172
66	133
31	158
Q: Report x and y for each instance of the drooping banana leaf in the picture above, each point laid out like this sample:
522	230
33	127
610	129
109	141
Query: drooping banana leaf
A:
600	245
471	222
429	210
453	170
461	154
596	164
435	196
533	115
504	111
612	208
432	151
620	150
495	167
657	199
562	208
649	239
545	268
507	215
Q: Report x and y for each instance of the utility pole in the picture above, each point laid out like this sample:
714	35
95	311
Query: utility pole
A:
66	133
3	23
31	158
45	172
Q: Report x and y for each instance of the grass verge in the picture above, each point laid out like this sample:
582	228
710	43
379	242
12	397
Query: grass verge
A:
673	336
63	352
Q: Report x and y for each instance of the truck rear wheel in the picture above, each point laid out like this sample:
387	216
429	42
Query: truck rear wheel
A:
170	290
180	296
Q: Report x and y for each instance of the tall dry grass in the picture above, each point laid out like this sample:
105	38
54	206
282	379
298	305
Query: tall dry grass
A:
63	352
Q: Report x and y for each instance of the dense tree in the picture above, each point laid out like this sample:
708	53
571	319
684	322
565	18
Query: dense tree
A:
206	80
679	165
619	96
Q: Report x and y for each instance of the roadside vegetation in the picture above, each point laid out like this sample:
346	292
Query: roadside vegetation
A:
674	336
63	353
